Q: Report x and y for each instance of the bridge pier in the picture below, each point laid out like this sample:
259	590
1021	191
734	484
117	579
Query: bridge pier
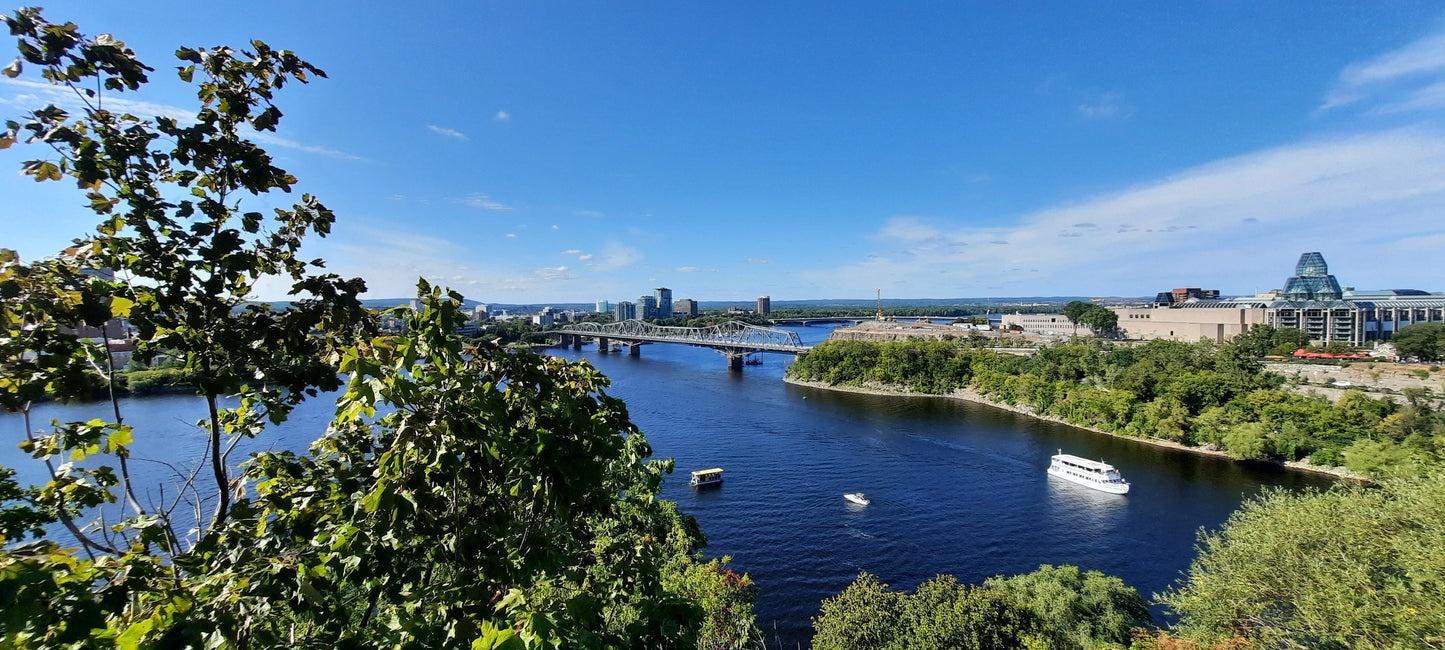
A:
735	361
577	342
602	345
634	350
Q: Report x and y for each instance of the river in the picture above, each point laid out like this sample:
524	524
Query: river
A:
956	487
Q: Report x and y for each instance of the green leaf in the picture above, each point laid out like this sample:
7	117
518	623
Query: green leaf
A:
120	438
120	306
132	636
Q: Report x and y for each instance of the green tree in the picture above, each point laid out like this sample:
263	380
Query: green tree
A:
1264	339
463	495
1247	441
1425	341
1257	341
1080	609
174	253
1074	311
1354	567
941	613
1102	320
863	617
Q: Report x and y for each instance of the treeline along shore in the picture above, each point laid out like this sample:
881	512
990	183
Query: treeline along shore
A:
1202	397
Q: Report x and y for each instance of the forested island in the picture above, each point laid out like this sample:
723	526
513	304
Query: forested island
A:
1199	395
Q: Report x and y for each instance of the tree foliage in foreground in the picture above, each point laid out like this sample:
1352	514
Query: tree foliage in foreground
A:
1353	567
941	613
1081	610
462	495
1060	608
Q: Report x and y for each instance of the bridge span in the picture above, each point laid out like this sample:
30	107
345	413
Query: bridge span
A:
734	340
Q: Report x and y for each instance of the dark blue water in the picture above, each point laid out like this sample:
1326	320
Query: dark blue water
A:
956	488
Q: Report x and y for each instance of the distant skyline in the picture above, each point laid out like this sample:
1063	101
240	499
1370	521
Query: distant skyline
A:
571	152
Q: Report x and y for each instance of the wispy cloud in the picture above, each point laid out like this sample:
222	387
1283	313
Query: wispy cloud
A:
1358	81
450	133
1211	219
758	260
553	273
274	140
1100	106
483	202
33	94
614	256
1429	98
572	251
687	269
502	116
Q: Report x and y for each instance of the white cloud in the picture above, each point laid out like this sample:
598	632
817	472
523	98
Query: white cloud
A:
758	260
268	138
552	273
908	229
511	235
615	256
584	258
687	269
1431	97
1108	105
502	116
1224	218
572	251
1359	80
556	227
482	201
450	133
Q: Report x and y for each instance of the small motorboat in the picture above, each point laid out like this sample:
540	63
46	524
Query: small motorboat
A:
858	498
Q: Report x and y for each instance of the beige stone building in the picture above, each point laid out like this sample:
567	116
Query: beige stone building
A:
1046	324
1190	321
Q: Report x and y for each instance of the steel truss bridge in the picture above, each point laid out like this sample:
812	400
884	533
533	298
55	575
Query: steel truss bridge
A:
735	340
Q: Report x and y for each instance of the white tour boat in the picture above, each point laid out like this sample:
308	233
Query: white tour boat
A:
706	477
858	498
1096	474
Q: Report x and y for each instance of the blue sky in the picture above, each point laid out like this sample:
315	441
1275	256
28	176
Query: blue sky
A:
569	152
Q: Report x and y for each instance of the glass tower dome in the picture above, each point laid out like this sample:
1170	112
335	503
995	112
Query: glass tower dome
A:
1312	280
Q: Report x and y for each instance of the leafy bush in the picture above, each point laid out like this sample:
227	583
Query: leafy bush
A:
941	613
1079	610
1354	567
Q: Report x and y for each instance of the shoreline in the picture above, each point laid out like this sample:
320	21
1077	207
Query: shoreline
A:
974	397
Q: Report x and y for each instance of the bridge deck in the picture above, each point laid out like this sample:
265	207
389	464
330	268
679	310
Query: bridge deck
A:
733	336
